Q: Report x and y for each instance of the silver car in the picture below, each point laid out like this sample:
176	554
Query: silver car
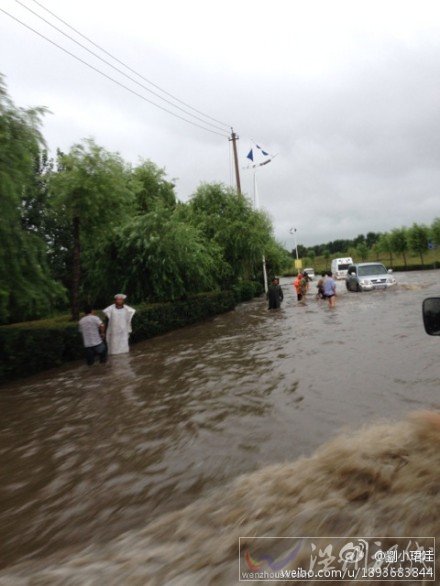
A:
366	276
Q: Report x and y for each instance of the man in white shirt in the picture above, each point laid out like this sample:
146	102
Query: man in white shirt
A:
119	325
92	330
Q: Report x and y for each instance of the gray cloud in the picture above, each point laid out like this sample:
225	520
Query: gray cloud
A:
358	141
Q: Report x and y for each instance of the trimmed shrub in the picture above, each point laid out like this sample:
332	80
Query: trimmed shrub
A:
31	347
247	290
158	318
34	346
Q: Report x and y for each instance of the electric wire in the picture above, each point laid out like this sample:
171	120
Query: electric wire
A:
111	78
119	70
127	66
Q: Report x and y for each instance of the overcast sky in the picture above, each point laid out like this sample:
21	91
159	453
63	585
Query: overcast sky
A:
346	93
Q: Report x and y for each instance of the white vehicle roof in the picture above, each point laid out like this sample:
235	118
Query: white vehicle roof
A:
367	264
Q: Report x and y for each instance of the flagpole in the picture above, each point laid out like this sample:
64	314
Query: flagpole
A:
256	202
257	205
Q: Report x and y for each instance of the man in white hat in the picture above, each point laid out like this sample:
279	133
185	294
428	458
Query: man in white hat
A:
119	325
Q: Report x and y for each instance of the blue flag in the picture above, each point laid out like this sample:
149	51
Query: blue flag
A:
263	152
250	155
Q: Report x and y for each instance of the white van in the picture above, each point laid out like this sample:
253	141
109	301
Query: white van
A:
340	266
310	273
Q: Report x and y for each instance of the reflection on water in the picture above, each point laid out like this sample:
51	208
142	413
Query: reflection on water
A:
86	454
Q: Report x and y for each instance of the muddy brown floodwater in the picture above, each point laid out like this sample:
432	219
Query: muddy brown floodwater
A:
86	454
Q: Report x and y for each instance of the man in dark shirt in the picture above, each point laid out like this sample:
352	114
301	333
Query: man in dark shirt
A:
275	294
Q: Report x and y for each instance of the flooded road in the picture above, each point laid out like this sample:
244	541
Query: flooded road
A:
86	454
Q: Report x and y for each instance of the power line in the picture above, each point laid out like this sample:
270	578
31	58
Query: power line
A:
111	78
119	70
127	66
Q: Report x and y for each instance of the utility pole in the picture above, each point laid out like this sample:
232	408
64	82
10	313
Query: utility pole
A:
234	139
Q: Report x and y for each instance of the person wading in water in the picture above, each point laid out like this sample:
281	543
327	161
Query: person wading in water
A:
119	325
275	294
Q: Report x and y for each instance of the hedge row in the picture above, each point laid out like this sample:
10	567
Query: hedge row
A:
158	318
31	347
413	267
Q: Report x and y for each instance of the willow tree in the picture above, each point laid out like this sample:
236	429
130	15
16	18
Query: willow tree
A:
155	257
91	189
26	287
242	233
152	187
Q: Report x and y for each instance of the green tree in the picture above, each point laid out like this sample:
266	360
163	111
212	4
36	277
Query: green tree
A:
311	255
418	238
26	287
399	242
371	239
375	251
155	257
51	224
326	255
228	220
34	202
362	250
352	252
384	245
152	187
278	259
302	251
359	240
435	232
91	190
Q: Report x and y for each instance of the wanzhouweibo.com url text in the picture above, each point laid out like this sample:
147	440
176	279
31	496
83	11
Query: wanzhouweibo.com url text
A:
358	574
337	558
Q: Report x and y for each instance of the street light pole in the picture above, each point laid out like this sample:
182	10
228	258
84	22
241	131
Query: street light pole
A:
293	232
